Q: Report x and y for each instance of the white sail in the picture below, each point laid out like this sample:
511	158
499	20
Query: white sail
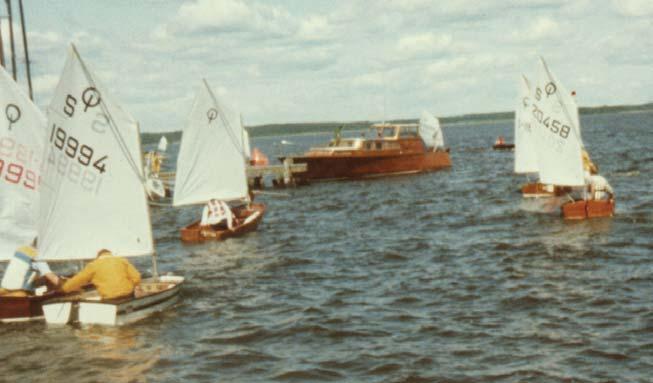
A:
558	139
430	131
210	162
246	147
92	193
22	136
163	144
525	150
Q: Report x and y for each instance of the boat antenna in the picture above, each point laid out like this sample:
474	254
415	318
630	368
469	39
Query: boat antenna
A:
383	80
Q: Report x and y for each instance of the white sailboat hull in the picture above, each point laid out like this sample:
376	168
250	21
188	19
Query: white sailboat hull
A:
88	308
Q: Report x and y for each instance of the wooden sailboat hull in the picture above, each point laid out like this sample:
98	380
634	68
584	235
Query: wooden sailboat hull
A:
89	308
538	190
251	218
21	309
356	166
503	146
588	209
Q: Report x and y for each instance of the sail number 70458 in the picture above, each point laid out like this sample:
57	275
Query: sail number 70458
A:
71	147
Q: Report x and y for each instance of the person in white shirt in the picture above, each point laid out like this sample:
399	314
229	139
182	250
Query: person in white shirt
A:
217	214
599	188
22	273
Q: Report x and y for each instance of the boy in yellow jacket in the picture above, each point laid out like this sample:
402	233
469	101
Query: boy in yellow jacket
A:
112	276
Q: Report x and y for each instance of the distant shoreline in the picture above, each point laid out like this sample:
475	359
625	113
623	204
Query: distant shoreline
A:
296	128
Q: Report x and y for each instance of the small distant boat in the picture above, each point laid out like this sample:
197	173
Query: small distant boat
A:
393	149
248	216
105	207
560	147
211	165
501	144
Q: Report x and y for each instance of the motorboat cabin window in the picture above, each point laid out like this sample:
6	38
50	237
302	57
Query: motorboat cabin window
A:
388	132
379	145
408	131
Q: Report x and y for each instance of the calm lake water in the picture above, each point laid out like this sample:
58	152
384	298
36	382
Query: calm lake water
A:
440	277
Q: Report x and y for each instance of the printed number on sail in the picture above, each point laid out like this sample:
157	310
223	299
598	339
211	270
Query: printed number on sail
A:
15	173
71	147
553	125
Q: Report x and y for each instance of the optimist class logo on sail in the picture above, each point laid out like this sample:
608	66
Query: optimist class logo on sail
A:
74	159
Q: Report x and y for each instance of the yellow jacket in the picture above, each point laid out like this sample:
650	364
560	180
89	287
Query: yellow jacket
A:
112	276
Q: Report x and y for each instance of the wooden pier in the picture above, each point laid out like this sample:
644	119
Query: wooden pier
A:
281	175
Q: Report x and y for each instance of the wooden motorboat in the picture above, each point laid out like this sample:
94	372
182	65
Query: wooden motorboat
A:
152	295
583	209
249	217
395	149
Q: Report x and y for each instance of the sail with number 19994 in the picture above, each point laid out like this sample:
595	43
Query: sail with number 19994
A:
93	197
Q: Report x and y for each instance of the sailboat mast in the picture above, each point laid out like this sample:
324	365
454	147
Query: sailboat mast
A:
155	266
2	49
29	75
11	39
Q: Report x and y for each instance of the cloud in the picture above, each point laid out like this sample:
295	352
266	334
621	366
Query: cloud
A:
232	16
634	7
315	28
424	43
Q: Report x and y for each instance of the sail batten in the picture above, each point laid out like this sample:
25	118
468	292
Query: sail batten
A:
93	194
210	163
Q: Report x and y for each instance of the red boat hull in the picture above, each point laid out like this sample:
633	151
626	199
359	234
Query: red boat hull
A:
503	146
194	233
578	210
325	168
17	309
537	189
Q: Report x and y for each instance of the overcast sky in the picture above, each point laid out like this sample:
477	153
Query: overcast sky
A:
318	60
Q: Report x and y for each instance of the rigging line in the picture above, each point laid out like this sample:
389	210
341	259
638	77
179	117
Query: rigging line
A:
564	106
112	123
224	120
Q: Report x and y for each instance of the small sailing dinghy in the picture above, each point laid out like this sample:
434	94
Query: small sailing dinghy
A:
93	197
525	147
211	166
560	146
155	186
22	133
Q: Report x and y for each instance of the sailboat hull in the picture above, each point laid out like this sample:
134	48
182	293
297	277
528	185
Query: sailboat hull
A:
578	210
88	308
251	218
503	146
25	308
539	190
